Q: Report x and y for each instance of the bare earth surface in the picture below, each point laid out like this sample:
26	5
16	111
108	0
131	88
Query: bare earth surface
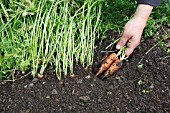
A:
130	90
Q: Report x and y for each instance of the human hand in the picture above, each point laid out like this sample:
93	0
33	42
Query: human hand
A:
131	35
133	29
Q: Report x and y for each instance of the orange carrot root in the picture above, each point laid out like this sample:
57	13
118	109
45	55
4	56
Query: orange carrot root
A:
107	62
113	68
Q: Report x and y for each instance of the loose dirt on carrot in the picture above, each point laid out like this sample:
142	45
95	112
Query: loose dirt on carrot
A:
143	88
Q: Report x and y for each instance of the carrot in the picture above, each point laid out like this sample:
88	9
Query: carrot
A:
107	62
113	68
40	75
72	75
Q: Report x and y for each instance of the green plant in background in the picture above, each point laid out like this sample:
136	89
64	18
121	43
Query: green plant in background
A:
35	34
166	1
115	13
165	43
159	16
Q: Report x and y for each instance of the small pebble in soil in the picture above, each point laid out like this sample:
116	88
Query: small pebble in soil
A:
43	82
82	104
149	62
88	77
47	97
91	85
122	77
79	81
117	77
35	80
57	99
25	86
54	92
95	80
3	82
31	85
109	93
117	109
73	92
88	92
84	98
70	107
152	86
99	100
157	68
61	82
25	111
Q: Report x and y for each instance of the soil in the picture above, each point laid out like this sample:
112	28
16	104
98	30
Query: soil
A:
143	88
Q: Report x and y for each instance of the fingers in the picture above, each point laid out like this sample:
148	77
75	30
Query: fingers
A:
131	35
131	45
125	37
131	40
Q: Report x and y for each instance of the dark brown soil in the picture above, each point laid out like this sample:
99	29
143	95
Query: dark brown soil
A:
132	89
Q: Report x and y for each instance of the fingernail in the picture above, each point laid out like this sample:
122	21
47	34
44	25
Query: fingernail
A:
117	46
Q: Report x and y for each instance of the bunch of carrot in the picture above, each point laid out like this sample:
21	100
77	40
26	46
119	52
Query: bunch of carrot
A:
110	65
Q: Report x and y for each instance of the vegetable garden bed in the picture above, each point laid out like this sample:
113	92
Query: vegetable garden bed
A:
51	50
134	88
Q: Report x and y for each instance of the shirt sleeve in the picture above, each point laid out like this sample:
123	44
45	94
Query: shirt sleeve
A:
149	2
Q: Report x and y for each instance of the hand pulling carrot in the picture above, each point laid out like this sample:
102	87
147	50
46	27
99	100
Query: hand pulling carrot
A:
107	62
113	68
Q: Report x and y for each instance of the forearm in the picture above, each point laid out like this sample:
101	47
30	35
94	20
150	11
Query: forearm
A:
143	12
